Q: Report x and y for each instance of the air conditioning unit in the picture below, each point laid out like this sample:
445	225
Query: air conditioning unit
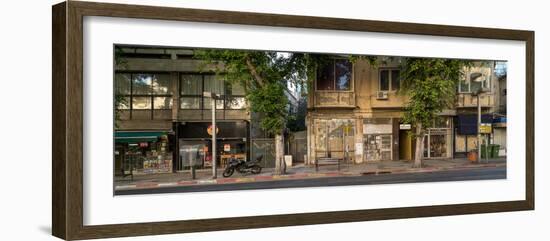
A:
382	95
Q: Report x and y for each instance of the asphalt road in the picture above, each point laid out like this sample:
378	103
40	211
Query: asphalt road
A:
451	175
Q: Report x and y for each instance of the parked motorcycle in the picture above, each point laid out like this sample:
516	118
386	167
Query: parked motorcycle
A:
252	166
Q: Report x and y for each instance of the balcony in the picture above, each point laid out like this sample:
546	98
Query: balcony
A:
334	99
467	100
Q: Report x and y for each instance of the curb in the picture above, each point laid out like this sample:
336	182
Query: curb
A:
150	185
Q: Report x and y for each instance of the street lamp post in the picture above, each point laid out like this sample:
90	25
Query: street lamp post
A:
478	78
479	128
214	97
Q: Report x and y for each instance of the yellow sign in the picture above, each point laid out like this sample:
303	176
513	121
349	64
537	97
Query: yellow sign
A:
485	128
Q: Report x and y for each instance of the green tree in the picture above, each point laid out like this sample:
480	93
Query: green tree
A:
264	75
430	85
118	98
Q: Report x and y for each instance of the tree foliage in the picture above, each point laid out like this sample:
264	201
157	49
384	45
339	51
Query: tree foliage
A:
430	85
264	75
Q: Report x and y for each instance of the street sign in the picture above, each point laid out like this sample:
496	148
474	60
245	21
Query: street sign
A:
485	128
404	126
209	130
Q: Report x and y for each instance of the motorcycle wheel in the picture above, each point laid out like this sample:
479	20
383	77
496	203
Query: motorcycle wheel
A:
228	172
256	169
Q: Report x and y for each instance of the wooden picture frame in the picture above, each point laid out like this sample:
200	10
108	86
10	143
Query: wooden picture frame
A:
67	123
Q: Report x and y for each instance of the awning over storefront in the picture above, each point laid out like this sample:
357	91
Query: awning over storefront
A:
137	136
499	122
467	124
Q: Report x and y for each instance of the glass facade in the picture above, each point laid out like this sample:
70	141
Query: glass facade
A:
143	93
192	86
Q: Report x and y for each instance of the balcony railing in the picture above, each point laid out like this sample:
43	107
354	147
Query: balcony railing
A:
467	100
342	99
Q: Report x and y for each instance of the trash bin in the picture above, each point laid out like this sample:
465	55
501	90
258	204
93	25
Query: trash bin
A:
494	150
484	151
472	156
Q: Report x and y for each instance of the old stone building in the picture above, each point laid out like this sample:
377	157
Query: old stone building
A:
355	113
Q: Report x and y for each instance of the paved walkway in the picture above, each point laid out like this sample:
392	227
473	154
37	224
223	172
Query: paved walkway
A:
204	176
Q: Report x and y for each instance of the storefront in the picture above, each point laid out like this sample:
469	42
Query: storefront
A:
438	141
499	135
377	139
142	152
195	143
466	133
334	138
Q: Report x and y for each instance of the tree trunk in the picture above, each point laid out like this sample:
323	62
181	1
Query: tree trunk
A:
419	150
280	167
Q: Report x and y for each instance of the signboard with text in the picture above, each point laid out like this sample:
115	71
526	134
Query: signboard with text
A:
485	128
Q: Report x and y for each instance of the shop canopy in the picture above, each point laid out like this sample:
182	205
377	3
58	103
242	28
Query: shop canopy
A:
137	136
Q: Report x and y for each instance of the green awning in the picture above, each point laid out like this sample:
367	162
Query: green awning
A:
137	136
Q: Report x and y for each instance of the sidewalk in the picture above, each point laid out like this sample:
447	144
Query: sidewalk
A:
204	176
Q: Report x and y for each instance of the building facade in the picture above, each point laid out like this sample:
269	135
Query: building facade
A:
355	113
163	120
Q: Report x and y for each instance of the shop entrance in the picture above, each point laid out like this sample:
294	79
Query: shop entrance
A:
377	139
334	138
406	145
378	147
199	153
437	143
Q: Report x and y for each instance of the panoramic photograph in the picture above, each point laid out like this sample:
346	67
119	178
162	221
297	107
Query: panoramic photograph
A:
198	119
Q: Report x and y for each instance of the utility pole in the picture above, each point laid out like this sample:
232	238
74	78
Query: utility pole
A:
479	129
213	99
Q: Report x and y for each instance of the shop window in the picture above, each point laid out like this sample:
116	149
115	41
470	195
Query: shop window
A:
333	137
377	138
460	143
471	142
389	79
442	122
335	75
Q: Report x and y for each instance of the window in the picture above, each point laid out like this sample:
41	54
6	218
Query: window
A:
214	84
389	80
474	80
235	99
335	75
235	103
143	91
190	91
232	96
